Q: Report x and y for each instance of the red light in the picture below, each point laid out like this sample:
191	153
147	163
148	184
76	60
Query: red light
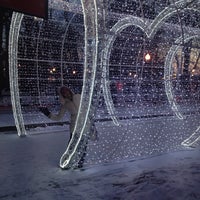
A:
119	86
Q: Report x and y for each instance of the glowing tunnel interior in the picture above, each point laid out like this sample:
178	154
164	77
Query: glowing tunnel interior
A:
99	49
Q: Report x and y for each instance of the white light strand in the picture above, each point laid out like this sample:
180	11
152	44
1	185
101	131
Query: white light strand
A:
168	12
168	82
116	29
80	129
13	72
91	13
168	74
192	139
150	30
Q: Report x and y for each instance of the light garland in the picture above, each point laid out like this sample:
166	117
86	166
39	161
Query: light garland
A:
168	75
168	85
81	131
14	88
97	55
150	29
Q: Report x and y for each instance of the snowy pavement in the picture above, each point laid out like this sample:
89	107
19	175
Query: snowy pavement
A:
6	119
142	159
133	111
29	171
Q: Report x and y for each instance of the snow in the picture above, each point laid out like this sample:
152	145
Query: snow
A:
29	169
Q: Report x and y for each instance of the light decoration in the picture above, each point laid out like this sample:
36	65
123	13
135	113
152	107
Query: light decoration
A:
147	57
98	46
150	30
168	74
14	88
192	139
169	88
81	132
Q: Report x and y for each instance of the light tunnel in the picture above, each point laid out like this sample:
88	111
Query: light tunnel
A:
98	49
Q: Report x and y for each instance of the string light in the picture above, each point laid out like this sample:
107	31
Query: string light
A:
13	75
35	48
169	88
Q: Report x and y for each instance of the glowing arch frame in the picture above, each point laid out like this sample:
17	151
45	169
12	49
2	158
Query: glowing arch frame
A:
91	42
168	74
168	85
14	88
149	30
68	158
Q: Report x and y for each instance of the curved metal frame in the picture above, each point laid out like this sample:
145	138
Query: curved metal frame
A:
92	16
13	73
81	131
168	74
149	28
194	137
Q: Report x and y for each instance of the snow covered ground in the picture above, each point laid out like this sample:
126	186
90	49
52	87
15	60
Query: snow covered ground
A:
141	159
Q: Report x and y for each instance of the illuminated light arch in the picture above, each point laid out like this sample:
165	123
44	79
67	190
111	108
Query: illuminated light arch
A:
168	85
149	29
14	88
169	11
117	28
92	15
13	69
192	139
168	74
80	134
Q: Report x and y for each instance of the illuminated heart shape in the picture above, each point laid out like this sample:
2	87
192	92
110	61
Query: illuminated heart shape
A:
92	11
150	30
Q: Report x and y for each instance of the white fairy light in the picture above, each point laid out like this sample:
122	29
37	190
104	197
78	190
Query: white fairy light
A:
118	27
168	75
192	139
14	88
93	19
82	118
150	30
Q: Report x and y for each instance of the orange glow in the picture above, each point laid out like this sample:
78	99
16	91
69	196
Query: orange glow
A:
147	57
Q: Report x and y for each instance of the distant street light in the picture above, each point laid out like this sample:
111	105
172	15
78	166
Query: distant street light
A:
147	57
